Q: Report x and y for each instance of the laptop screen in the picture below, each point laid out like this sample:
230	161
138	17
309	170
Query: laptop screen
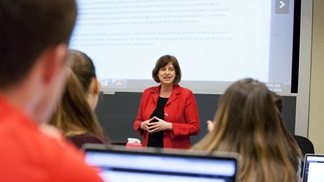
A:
313	168
138	165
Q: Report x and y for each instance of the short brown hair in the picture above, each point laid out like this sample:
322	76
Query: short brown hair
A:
163	61
28	27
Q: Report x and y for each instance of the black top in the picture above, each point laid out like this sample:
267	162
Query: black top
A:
156	139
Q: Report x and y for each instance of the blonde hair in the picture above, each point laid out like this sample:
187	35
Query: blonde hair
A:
74	115
247	122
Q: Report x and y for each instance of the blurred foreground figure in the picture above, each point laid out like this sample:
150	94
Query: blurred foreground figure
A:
247	122
33	41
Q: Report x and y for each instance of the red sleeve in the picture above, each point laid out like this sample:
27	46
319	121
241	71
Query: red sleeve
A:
139	117
191	126
70	166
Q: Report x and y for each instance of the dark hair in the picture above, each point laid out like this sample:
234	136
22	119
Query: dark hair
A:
28	27
74	113
163	61
82	67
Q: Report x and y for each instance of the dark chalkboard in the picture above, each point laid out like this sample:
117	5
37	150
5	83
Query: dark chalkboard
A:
117	112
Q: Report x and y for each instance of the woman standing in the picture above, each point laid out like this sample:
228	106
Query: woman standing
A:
168	113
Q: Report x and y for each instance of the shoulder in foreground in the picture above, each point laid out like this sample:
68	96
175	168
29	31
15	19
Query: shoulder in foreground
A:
152	89
183	89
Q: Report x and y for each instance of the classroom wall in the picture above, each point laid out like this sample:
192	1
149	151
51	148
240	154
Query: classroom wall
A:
316	109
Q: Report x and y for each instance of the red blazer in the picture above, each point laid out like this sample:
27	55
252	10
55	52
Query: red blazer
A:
181	110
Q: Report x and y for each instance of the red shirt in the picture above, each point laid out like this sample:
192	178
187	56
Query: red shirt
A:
181	110
27	154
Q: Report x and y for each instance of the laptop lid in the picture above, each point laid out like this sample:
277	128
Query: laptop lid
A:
121	164
313	168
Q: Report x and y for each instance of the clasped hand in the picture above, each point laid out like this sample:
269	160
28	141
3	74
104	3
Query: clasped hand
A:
153	127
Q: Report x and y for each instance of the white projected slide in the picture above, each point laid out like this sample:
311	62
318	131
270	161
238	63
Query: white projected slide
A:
213	40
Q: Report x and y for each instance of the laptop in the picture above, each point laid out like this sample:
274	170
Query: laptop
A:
115	164
313	168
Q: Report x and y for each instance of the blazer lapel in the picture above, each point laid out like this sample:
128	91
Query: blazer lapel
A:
155	94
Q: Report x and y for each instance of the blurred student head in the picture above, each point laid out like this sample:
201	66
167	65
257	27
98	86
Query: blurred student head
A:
84	69
74	114
248	123
33	41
